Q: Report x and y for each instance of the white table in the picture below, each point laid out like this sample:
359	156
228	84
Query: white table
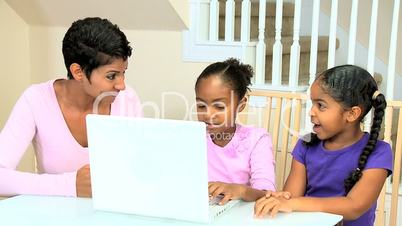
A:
46	210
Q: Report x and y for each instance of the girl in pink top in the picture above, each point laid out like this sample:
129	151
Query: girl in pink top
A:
52	114
240	158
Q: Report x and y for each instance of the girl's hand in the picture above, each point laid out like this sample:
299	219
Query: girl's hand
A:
271	206
83	182
278	194
229	191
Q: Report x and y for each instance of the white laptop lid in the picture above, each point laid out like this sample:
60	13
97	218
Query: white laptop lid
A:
150	167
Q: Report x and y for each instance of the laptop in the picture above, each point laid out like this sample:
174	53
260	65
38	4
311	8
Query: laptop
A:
151	167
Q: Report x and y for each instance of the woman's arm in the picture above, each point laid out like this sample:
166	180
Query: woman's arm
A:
15	137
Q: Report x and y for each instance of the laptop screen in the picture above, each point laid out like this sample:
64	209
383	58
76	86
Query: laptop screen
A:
151	167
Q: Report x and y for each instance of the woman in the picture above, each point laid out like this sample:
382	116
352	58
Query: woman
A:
52	114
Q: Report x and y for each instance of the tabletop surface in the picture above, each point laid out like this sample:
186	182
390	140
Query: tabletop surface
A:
52	210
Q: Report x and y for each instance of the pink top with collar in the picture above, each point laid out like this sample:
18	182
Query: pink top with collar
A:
247	159
37	117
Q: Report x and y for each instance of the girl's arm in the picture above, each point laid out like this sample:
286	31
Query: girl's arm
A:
234	191
262	164
251	194
295	186
358	200
297	179
262	173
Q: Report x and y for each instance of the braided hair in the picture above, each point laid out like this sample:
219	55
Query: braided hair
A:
351	86
237	75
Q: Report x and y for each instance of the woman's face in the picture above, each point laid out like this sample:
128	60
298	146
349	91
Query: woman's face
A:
107	78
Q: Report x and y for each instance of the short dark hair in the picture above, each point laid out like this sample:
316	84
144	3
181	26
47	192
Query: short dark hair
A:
232	72
93	42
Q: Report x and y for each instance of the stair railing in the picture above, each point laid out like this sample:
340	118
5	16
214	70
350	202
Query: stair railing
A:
213	21
313	58
245	21
229	20
352	32
277	49
253	51
332	33
371	53
392	51
295	49
261	47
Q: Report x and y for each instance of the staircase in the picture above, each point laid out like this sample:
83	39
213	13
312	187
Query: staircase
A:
286	39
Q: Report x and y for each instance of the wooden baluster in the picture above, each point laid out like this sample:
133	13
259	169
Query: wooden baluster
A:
229	20
277	48
213	20
392	52
352	32
260	52
295	49
332	34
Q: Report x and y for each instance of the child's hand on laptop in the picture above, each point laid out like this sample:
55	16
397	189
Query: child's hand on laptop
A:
229	191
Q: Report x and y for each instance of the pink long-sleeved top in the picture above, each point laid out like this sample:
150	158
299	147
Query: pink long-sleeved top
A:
247	159
37	118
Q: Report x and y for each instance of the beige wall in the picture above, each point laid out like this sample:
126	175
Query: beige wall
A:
385	11
15	67
14	59
129	14
182	9
156	66
32	54
45	55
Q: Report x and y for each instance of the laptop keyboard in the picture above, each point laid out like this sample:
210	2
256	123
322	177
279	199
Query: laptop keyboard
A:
215	200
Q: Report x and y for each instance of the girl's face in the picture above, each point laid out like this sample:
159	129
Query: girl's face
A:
217	105
327	115
107	78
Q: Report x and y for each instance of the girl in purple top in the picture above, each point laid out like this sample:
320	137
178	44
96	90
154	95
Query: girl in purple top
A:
52	114
240	158
341	169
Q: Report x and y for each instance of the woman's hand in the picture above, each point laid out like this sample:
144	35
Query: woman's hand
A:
271	206
229	191
83	182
